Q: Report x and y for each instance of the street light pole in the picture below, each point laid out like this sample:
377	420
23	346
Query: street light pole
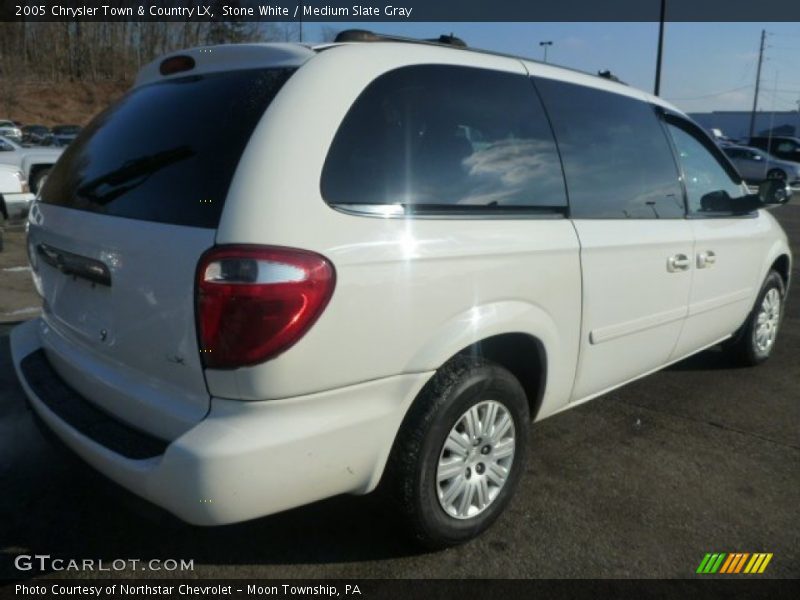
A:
545	45
660	47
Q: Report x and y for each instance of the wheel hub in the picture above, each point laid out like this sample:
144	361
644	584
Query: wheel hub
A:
767	321
475	460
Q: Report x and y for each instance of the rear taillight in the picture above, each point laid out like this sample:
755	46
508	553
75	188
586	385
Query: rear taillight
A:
254	302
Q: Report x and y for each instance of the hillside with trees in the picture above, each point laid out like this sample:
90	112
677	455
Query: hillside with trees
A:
66	72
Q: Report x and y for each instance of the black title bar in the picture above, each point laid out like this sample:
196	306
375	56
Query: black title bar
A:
399	10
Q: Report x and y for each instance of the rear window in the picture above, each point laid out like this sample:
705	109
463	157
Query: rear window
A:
617	157
446	139
167	151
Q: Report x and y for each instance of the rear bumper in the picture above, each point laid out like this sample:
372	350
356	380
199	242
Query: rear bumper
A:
245	459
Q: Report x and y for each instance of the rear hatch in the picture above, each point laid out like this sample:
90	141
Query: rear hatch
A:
115	241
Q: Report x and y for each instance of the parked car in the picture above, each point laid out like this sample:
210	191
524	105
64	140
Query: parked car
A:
755	165
721	138
65	134
37	135
10	130
370	273
779	146
15	196
15	199
35	163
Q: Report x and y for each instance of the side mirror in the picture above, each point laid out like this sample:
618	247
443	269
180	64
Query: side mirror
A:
774	191
720	202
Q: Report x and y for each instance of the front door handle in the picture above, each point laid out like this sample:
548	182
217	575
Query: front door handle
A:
706	259
678	262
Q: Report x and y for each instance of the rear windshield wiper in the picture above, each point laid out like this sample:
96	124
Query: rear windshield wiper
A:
133	173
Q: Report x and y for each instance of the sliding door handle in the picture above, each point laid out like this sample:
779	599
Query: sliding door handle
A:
706	259
678	262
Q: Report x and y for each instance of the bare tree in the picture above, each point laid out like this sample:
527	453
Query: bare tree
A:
99	51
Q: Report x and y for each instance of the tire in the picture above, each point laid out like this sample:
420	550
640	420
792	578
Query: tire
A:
776	174
410	484
38	179
755	341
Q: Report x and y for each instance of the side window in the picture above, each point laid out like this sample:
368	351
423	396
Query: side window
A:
445	138
617	158
708	183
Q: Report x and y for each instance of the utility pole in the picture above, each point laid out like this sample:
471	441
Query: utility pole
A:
797	129
660	46
758	83
545	45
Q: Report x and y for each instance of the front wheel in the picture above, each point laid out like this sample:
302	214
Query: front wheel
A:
459	453
776	174
756	339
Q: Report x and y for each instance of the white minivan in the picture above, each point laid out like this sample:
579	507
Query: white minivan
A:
382	263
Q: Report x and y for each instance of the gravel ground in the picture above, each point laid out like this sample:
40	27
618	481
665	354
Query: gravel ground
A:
18	298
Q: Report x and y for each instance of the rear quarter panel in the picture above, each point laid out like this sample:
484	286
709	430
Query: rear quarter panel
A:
410	293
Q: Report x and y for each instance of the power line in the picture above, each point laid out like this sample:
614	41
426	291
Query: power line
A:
775	98
787	92
746	71
713	94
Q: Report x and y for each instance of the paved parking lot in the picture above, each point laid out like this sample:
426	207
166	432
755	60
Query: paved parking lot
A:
18	299
639	483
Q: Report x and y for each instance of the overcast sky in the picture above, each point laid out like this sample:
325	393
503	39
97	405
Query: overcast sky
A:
707	66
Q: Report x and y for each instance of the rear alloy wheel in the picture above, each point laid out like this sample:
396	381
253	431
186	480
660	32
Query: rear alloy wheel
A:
459	454
476	459
755	341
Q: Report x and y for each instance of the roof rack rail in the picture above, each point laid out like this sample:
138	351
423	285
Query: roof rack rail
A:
363	35
607	74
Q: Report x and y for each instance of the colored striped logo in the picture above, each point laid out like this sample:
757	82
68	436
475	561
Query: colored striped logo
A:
734	562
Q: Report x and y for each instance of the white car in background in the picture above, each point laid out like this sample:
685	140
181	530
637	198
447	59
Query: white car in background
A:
9	129
14	192
35	163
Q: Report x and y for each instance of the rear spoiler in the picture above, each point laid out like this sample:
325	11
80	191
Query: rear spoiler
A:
210	59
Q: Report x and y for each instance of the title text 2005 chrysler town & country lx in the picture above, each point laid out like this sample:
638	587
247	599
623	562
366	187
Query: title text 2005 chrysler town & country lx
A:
381	263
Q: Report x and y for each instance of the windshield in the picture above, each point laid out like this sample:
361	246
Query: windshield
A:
9	142
153	157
